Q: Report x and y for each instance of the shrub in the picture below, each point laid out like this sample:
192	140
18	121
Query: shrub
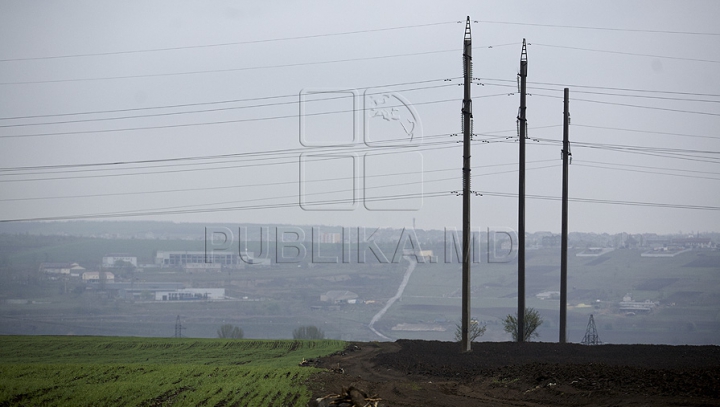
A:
476	330
308	332
532	322
228	331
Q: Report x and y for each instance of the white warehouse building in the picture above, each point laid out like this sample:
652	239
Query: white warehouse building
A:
191	294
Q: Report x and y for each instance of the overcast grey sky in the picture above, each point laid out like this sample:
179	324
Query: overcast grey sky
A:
116	82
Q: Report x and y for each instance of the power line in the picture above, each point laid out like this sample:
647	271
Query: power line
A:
219	109
223	44
224	209
628	53
678	154
276	155
175	209
582	164
169	126
608	201
565	85
242	186
329	156
234	43
610	94
649	151
394	197
650	167
324	193
248	68
635	148
434	146
640	96
636	106
293	95
271	153
579	27
645	131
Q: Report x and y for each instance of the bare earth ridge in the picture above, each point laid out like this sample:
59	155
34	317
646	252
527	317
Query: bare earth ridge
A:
432	373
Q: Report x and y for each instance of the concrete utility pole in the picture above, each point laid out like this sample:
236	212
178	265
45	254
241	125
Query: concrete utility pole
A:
522	123
566	156
465	342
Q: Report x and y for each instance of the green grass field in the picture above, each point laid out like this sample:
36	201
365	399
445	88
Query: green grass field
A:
117	371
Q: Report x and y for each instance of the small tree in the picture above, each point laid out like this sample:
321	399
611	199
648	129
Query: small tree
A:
126	268
102	280
476	330
308	332
228	331
532	322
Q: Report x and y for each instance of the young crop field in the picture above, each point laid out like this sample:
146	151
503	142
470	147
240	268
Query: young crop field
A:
114	371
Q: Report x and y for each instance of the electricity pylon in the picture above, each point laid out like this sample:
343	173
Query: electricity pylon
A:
591	335
178	327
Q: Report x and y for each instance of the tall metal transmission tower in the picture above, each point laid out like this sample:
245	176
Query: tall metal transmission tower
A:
178	327
522	127
591	335
465	341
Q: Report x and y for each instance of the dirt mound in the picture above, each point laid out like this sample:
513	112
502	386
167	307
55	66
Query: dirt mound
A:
435	373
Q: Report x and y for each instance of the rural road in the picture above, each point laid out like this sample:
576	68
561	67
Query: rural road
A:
391	301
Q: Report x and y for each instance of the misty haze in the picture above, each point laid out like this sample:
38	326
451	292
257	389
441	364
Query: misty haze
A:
238	203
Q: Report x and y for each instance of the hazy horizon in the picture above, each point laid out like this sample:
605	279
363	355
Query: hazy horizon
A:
296	114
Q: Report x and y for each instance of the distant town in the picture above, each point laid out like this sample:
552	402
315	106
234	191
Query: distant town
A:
105	277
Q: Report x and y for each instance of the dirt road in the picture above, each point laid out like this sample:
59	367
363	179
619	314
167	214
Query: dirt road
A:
430	373
391	301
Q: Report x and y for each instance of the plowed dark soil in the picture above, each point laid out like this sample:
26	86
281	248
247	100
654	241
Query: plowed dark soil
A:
431	373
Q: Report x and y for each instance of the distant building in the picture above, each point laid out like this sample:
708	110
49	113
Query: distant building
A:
693	242
118	260
421	255
250	259
61	268
183	258
329	238
628	305
142	290
191	294
202	267
339	297
655	242
94	276
594	251
548	295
